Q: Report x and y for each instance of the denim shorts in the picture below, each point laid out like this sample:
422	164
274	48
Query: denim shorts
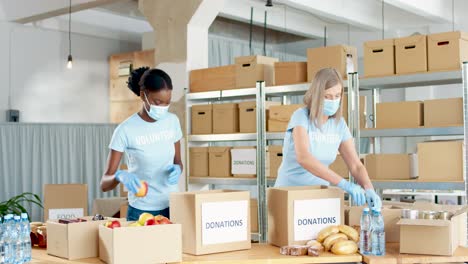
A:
133	214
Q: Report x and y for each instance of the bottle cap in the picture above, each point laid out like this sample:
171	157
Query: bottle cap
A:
366	209
24	215
17	217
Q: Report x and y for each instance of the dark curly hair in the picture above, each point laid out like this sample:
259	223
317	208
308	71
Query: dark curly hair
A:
145	78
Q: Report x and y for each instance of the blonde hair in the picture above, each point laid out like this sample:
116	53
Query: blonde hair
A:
314	97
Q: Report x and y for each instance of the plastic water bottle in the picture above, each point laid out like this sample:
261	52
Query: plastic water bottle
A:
2	242
17	243
365	242
26	238
7	244
378	234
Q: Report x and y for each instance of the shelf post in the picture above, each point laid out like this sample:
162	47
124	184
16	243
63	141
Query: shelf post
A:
353	114
465	122
376	92
261	152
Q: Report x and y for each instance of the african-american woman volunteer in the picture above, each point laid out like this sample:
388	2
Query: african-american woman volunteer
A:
313	138
151	140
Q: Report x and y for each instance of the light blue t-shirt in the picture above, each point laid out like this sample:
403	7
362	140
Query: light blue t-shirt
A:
324	144
149	148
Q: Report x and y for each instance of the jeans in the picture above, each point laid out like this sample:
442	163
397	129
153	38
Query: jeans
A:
133	214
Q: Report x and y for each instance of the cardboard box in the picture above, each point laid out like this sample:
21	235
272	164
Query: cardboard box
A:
440	161
339	166
362	110
65	201
121	110
212	221
248	115
411	54
199	161
447	51
202	119
293	218
391	215
225	118
250	69
109	207
330	57
410	115
434	237
275	154
388	166
244	161
74	241
219	162
253	215
144	244
280	116
379	58
443	112
213	79
290	73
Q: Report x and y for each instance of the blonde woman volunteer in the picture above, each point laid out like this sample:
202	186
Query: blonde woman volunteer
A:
313	138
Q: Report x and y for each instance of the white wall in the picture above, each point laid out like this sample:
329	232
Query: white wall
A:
33	74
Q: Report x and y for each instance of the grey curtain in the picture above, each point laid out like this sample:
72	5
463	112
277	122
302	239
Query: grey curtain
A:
32	155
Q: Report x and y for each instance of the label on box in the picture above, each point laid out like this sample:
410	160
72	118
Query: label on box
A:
224	222
66	213
244	161
311	216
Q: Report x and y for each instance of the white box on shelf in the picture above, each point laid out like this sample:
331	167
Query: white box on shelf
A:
244	161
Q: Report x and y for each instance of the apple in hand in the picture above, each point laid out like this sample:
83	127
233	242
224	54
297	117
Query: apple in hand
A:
143	189
112	224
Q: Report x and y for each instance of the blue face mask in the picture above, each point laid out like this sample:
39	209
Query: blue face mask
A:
156	112
330	107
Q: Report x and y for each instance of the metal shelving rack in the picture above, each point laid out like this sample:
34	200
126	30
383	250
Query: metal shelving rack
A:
376	85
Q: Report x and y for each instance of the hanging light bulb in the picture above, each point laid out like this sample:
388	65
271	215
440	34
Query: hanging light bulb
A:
70	62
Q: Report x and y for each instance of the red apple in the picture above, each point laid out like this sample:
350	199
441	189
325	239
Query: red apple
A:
143	189
112	224
151	222
165	221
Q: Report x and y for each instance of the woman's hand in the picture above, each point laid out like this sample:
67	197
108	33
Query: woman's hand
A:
129	180
355	191
373	200
174	173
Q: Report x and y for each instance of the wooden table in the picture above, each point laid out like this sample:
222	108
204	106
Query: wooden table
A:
259	254
394	257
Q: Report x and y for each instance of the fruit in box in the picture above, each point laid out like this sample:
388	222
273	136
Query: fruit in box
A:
162	220
151	222
144	217
143	189
136	224
112	224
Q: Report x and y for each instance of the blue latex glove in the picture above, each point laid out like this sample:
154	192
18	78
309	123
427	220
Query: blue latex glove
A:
129	180
355	191
174	173
373	200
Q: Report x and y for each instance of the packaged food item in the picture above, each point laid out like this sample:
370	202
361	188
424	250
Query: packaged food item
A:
284	250
313	252
315	245
298	250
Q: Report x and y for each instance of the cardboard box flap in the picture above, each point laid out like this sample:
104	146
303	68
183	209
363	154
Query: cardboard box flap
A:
286	64
460	211
423	222
219	149
198	150
447	36
349	50
409	42
247	61
247	105
224	106
375	45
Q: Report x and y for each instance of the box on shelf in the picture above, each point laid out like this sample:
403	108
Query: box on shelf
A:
410	115
248	115
65	201
275	154
293	218
202	119
290	73
244	161
250	69
212	221
443	112
143	244
121	110
411	54
434	237
199	161
388	166
119	90
362	110
75	240
447	51
280	115
440	161
330	57
379	58
213	79
254	215
219	163
339	167
225	118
